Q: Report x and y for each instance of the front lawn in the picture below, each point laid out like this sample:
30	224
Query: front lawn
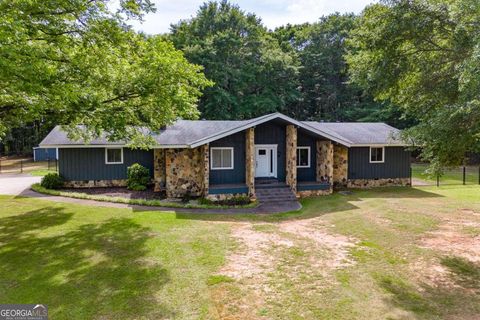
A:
392	253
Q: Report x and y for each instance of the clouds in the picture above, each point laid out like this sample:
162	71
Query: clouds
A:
274	13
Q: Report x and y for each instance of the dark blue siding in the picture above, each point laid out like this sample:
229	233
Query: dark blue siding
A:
307	174
396	165
44	154
237	174
89	163
272	133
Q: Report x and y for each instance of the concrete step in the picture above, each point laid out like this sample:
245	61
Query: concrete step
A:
275	194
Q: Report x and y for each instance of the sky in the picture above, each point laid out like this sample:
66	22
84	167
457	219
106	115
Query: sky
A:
273	13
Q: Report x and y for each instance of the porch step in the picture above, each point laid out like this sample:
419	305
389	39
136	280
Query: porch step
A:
278	194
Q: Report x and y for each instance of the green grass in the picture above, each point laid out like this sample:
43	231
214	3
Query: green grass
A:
41	172
144	202
451	176
88	262
92	262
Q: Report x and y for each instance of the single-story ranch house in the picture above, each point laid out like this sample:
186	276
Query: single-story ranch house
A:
219	159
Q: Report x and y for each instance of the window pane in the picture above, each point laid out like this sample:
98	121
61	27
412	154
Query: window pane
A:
114	155
376	155
262	152
216	158
304	157
298	157
227	158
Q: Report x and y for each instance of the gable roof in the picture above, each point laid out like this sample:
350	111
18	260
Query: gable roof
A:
194	133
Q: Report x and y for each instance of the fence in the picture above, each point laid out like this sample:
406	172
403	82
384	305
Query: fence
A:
466	175
27	165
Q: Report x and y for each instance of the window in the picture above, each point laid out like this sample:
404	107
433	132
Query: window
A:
377	154
221	158
113	155
303	157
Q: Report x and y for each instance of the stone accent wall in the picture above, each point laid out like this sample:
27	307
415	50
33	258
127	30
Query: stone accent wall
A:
371	183
185	171
95	183
340	166
250	161
159	169
291	158
206	168
324	161
313	193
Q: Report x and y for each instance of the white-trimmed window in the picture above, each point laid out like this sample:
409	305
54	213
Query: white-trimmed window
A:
303	157
221	158
377	154
113	155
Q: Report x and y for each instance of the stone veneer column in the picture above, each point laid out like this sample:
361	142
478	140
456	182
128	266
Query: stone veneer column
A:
340	166
159	169
291	158
206	169
185	172
250	161
324	161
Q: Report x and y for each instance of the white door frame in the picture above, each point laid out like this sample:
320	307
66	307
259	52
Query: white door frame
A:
274	158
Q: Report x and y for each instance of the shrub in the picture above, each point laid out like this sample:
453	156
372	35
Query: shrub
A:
138	177
52	181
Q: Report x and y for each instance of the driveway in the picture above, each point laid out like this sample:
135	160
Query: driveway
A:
15	184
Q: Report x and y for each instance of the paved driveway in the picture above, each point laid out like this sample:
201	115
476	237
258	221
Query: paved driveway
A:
15	184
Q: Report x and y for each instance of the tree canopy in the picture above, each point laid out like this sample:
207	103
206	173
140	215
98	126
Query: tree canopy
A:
77	62
252	75
423	55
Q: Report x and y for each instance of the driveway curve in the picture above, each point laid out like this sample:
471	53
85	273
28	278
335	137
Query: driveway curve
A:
16	183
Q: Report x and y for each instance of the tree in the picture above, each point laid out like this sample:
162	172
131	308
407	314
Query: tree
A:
252	75
423	55
325	90
79	63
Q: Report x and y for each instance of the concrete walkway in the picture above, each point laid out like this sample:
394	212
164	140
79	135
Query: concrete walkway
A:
16	183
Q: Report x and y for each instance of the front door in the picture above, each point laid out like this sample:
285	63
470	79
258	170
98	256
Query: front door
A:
265	161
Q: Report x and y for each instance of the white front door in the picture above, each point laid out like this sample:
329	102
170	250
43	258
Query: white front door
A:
265	160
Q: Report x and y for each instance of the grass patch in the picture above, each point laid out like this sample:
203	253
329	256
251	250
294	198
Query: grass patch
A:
143	202
219	278
91	262
41	172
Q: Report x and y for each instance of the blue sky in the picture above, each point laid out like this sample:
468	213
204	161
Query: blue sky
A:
274	13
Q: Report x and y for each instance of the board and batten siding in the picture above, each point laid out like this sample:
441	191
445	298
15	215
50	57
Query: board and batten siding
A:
305	140
396	164
76	164
237	174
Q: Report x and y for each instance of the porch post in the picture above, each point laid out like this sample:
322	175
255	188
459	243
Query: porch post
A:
291	158
159	169
206	169
250	161
325	161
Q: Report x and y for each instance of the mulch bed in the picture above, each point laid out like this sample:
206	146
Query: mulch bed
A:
120	192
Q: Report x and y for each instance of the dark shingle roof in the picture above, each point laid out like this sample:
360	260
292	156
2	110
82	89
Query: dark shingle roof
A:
361	133
191	133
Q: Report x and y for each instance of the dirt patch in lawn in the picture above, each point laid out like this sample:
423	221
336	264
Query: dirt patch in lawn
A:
450	238
268	253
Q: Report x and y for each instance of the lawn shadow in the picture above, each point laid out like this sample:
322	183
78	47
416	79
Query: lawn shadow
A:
464	272
92	271
442	300
316	206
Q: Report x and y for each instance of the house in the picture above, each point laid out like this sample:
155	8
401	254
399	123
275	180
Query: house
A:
218	159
